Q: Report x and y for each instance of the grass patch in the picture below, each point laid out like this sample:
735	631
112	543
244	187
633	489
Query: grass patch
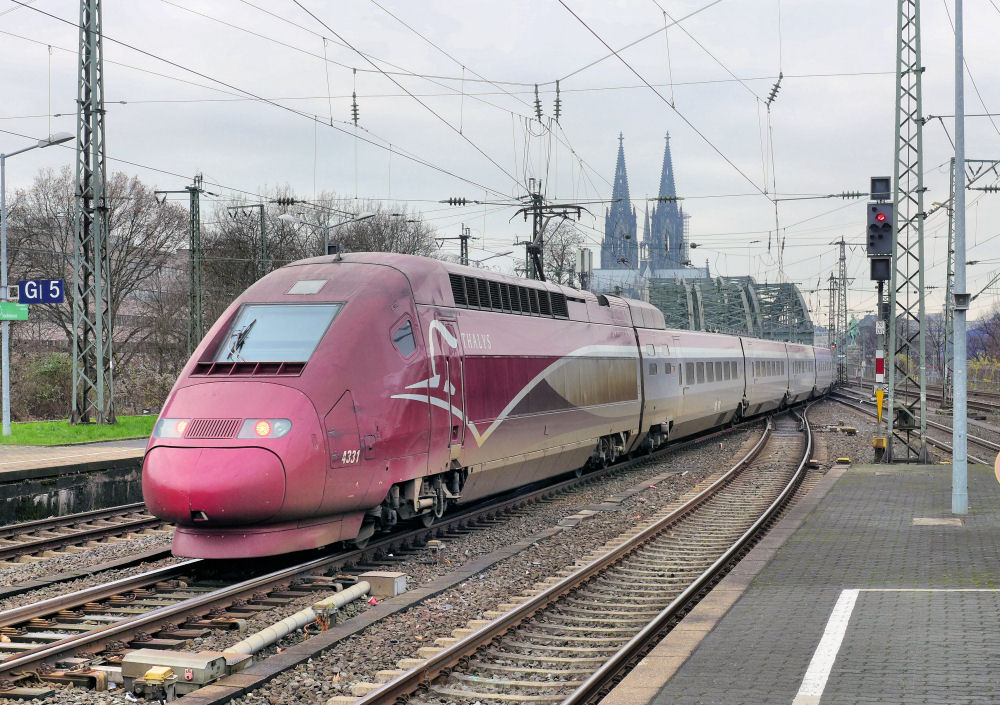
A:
48	433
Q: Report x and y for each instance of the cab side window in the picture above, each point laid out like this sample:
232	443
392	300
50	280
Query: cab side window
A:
402	338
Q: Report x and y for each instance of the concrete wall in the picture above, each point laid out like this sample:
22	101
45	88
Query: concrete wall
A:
42	493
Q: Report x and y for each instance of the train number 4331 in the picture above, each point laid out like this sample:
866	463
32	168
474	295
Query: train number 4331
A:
350	456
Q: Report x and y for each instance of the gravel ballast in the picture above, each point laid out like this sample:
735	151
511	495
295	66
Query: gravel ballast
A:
379	646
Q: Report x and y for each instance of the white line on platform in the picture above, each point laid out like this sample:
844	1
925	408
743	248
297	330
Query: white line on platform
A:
814	682
929	590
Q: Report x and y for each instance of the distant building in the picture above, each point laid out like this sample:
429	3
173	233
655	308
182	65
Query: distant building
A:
626	263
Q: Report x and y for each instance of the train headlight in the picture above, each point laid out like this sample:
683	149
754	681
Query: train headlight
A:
170	428
265	428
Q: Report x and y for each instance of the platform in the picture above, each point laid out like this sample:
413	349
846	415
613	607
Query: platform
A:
22	462
868	591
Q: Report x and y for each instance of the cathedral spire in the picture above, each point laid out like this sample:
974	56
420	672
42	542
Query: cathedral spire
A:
620	247
620	192
665	241
667	186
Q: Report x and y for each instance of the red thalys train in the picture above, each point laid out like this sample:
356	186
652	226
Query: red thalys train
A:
336	397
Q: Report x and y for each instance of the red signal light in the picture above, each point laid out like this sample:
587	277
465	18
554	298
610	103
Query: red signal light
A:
262	428
880	217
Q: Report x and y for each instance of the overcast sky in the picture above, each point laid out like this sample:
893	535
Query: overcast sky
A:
830	127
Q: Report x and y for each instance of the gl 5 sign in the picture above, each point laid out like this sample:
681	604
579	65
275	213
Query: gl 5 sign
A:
41	291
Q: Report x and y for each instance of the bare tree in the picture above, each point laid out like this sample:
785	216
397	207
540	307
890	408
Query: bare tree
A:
562	242
141	238
231	248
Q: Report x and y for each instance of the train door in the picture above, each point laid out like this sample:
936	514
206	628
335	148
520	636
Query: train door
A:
448	419
455	388
685	374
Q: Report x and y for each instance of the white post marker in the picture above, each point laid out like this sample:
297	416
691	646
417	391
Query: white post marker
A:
814	682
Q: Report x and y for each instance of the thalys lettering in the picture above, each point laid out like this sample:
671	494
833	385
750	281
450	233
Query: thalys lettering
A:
248	456
477	341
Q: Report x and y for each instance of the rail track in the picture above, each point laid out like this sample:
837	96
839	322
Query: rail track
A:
165	607
866	406
32	539
570	642
987	401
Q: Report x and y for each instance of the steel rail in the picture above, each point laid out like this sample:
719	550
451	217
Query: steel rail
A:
847	401
971	403
49	543
458	519
430	669
27	527
107	633
470	514
597	685
45	608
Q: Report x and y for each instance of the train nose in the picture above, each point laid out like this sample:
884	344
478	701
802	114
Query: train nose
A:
213	486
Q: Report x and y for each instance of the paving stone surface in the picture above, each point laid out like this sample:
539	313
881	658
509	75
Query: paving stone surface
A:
18	458
926	624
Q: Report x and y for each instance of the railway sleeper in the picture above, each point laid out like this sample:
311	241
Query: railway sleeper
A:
519	670
592	620
472	696
505	683
618	597
539	637
586	607
541	658
530	647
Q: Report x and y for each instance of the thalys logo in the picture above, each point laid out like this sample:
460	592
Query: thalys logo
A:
440	391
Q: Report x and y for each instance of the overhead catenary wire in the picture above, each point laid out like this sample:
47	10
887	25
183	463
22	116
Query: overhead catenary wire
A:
251	94
403	88
667	102
636	41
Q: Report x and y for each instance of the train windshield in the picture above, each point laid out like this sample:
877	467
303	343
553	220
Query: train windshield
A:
276	332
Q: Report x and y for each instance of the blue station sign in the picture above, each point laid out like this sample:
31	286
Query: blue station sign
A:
41	291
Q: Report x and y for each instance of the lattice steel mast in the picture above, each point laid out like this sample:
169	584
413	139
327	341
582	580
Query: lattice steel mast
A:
907	417
93	379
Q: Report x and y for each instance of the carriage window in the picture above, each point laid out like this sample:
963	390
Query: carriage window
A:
727	370
667	368
402	338
711	371
718	371
689	372
652	368
701	372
